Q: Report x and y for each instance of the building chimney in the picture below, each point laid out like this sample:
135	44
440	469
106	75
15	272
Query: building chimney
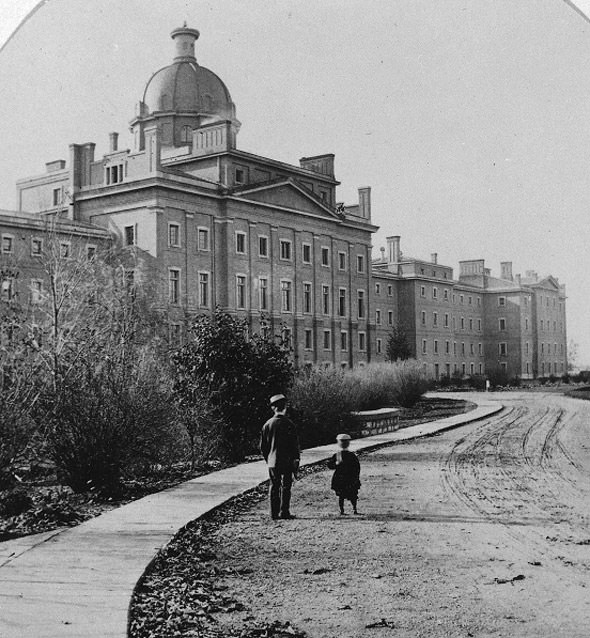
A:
506	270
393	251
518	279
113	142
382	249
365	202
434	258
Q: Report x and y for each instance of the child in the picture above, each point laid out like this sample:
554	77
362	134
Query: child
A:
347	469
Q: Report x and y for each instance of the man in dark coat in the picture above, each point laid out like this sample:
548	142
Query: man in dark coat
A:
279	445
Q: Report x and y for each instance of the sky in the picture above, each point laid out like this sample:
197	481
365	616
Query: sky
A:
469	120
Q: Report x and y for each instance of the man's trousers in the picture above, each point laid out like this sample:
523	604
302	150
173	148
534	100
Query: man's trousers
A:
280	491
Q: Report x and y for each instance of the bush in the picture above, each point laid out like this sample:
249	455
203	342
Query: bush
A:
238	373
477	382
498	377
14	502
321	401
110	421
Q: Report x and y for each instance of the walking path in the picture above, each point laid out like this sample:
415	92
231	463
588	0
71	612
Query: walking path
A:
78	582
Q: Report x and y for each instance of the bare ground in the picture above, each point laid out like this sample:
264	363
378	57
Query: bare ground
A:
482	531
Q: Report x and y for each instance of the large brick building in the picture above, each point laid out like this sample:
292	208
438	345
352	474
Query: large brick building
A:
208	224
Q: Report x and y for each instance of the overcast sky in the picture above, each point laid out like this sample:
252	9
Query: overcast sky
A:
470	120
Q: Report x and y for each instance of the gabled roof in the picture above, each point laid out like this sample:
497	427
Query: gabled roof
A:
286	192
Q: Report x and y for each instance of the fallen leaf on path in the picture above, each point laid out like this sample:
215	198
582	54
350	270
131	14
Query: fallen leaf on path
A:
379	623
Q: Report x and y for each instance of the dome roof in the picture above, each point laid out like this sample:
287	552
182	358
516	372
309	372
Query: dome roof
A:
186	86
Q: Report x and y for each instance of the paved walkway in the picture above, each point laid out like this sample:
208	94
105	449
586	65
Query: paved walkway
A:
78	582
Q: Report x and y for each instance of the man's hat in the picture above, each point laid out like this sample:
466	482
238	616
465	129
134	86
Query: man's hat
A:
343	437
276	398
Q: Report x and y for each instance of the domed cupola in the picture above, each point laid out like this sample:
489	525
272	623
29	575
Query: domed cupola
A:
182	97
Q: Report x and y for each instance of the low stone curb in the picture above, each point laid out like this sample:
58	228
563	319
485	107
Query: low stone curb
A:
79	582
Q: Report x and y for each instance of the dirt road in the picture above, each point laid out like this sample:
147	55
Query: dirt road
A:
482	531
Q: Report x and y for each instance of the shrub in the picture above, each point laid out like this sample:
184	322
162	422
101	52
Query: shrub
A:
477	382
237	372
409	383
109	421
14	502
321	401
498	377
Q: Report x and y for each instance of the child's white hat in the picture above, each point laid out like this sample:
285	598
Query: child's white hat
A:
343	437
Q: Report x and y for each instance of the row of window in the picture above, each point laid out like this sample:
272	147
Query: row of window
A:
446	295
546	325
447	369
37	246
285	247
344	340
447	349
446	324
548	349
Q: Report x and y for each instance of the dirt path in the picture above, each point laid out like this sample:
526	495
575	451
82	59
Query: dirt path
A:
483	531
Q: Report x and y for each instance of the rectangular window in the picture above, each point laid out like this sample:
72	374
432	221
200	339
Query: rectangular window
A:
129	232
285	246
286	296
202	238
526	347
424	346
240	291
390	291
472	368
326	300
462	347
36	290
57	196
470	300
344	341
325	256
471	324
436	346
502	349
90	251
204	289
362	341
379	346
377	289
479	325
447	347
454	347
64	249
130	283
423	291
173	286
361	304
307	253
501	324
378	317
446	294
390	318
423	317
480	349
342	302
7	289
241	243
462	323
36	246
435	318
308	339
501	301
446	320
240	176
461	299
327	339
434	293
471	348
360	263
7	244
342	261
173	235
263	293
262	246
307	297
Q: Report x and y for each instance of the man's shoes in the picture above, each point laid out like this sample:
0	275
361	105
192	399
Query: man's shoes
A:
287	517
